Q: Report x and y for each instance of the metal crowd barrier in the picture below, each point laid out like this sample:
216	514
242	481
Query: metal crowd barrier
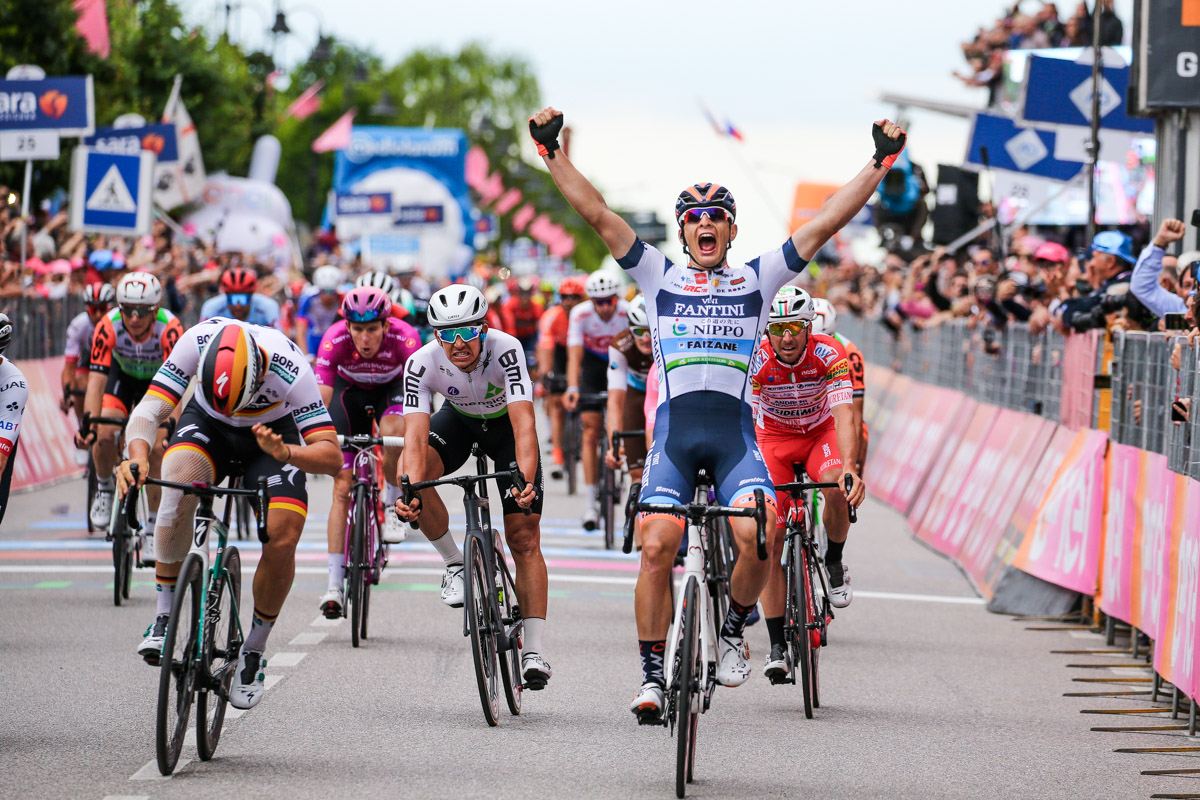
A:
39	325
1016	369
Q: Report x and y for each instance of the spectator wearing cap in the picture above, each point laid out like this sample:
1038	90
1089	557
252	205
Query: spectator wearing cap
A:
1111	265
1145	279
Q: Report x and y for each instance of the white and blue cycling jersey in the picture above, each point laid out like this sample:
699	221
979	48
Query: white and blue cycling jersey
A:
319	316
705	326
263	310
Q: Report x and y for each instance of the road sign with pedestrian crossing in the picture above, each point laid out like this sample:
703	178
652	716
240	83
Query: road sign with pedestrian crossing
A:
110	192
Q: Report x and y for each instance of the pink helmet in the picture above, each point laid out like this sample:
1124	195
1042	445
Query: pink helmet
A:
366	304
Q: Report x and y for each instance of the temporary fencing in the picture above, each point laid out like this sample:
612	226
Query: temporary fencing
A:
39	325
1015	452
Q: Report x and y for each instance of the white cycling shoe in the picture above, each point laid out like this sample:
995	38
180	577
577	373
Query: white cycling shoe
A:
648	704
148	549
840	593
247	688
535	671
100	513
453	591
734	668
394	531
591	519
151	647
333	603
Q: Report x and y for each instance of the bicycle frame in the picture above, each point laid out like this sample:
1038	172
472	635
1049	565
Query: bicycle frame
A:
365	474
693	567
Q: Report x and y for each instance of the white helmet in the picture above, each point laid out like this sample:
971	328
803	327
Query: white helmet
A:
825	320
139	289
792	303
327	278
638	318
602	284
457	304
380	280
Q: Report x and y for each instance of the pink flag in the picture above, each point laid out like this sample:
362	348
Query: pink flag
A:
508	201
476	171
541	229
92	25
492	188
563	247
307	103
523	217
337	137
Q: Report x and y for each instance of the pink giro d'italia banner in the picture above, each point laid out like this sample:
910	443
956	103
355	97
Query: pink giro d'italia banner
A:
954	480
1062	545
941	462
886	455
937	420
1176	651
1155	501
45	449
1120	515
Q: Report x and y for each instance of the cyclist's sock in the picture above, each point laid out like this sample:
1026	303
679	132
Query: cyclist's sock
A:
390	494
447	549
833	554
151	521
652	660
164	592
589	491
337	570
735	620
532	637
260	629
107	484
775	630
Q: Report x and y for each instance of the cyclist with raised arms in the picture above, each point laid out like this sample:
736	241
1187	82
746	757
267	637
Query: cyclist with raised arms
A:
97	299
825	321
552	360
801	396
592	327
256	412
239	299
128	347
705	320
489	400
359	365
630	357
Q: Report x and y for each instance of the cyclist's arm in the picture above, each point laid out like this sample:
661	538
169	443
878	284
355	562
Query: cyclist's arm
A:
858	418
847	435
416	446
319	454
837	211
524	425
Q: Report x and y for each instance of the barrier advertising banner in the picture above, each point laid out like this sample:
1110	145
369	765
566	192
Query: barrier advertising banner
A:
1063	543
894	412
937	418
1120	513
954	479
900	437
45	451
1175	652
1155	502
941	463
1079	378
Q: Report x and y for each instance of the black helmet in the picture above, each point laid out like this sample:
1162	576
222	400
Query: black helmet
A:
704	195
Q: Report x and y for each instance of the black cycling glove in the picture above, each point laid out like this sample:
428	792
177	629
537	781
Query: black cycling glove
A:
546	135
886	149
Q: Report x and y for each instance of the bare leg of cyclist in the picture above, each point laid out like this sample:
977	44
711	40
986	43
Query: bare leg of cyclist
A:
104	451
774	594
274	576
335	533
749	573
591	462
523	535
834	515
558	416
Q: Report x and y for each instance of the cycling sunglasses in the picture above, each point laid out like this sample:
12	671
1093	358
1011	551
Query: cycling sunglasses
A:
639	332
238	299
795	327
571	298
138	311
714	214
468	333
604	301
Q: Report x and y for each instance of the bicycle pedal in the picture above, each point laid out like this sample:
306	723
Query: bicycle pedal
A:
650	717
534	685
153	659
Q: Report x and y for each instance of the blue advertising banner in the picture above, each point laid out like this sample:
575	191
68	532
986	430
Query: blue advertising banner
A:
111	193
158	139
1060	92
64	105
345	204
1017	148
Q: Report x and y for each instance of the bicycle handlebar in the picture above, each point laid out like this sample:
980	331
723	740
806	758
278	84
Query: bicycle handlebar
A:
87	422
202	489
361	440
408	489
795	488
618	435
698	513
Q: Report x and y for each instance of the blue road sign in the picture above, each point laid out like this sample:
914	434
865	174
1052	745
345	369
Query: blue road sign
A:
63	104
158	139
111	193
1017	148
1060	92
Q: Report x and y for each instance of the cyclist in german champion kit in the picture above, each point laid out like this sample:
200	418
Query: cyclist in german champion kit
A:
705	322
256	412
489	400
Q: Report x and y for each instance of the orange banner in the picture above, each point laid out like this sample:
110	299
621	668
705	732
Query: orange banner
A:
1191	13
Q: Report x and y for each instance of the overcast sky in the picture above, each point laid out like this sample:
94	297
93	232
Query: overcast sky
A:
800	79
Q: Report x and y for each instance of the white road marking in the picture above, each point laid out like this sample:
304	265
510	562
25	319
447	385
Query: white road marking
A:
149	772
325	623
921	598
285	659
308	638
127	797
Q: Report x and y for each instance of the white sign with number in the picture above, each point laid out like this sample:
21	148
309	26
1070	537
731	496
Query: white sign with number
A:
28	145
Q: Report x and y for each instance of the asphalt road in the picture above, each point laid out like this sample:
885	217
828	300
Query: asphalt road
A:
924	694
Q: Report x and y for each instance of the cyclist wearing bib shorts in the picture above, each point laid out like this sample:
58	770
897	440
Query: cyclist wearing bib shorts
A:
705	321
489	400
552	361
359	365
825	322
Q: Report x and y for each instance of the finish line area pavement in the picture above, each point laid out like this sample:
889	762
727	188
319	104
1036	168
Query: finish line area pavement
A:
923	693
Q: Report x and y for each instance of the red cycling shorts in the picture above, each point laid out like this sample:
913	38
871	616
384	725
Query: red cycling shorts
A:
817	450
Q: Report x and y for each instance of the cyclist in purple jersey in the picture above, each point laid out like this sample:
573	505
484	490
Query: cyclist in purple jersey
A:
359	365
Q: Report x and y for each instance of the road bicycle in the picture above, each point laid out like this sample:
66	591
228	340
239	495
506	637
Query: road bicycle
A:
365	552
611	483
808	610
204	632
692	650
573	438
491	615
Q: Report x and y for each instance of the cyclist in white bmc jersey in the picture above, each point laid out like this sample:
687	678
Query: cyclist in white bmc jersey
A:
489	400
705	321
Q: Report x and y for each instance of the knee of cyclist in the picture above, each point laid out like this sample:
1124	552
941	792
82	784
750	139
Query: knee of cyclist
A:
658	555
341	484
522	542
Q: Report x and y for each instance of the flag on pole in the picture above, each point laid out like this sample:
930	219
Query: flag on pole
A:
725	128
337	136
307	103
180	181
92	25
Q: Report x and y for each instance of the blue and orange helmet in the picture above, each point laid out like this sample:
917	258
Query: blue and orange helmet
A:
231	369
705	195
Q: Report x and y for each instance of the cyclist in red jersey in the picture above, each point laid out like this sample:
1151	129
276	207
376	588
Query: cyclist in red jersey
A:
520	313
801	396
552	361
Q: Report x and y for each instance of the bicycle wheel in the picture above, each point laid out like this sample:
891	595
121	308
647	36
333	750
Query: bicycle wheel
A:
510	662
121	559
687	698
803	616
178	667
817	635
242	506
128	569
479	587
219	650
572	436
355	573
369	560
92	483
608	501
720	550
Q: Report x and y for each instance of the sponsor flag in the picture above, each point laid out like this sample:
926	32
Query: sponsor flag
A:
476	168
724	128
307	103
92	25
337	136
508	201
523	217
181	181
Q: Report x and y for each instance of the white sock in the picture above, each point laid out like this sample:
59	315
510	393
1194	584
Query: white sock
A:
534	626
337	570
589	491
164	595
107	484
151	521
447	549
390	494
